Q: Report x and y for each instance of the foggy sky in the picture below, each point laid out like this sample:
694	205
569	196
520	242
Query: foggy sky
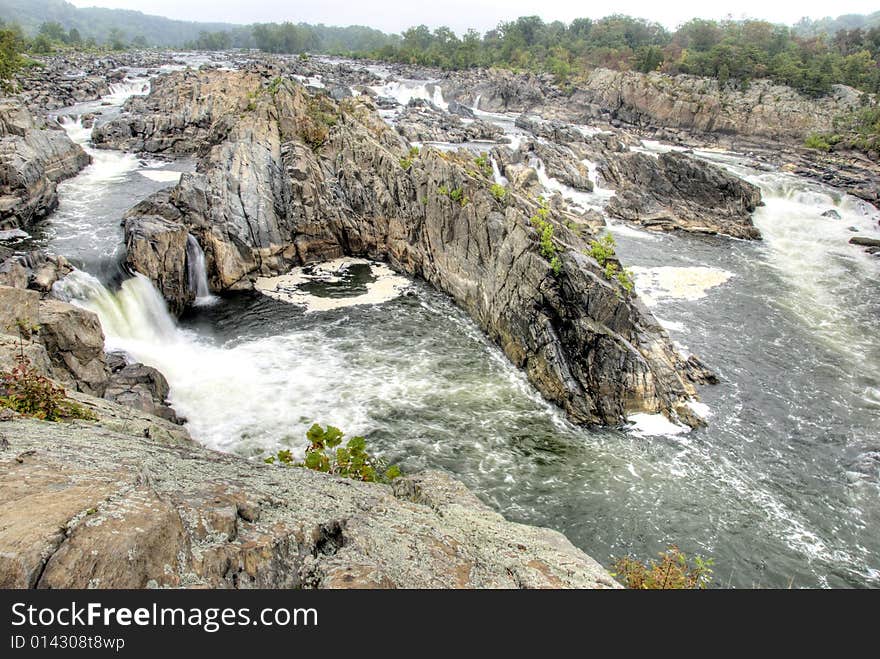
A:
395	15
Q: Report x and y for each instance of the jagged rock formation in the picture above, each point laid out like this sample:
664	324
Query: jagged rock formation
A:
33	159
675	191
422	122
300	179
182	113
132	503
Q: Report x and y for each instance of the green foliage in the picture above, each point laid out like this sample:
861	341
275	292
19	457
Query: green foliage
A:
733	52
498	191
485	165
11	46
816	141
29	393
603	249
325	453
456	194
320	117
407	161
673	571
540	220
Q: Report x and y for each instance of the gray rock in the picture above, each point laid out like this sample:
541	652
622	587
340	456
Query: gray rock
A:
263	201
831	213
676	191
101	506
33	159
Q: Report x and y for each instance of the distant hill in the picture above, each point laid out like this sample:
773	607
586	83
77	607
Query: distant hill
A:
96	23
828	25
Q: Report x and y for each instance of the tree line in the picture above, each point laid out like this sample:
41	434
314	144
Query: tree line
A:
733	52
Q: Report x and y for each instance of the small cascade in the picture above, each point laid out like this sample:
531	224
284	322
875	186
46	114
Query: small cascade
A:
197	273
75	130
135	313
476	105
499	178
122	91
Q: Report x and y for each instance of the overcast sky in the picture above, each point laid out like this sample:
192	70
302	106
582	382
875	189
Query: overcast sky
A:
395	15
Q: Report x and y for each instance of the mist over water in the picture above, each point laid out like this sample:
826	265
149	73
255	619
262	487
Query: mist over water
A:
779	489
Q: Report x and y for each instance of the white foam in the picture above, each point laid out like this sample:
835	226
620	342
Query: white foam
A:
287	288
677	283
654	425
161	175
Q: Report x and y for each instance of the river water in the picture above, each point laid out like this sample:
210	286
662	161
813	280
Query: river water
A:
781	488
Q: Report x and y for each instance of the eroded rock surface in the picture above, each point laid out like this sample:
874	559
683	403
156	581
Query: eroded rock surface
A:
33	158
676	191
87	506
299	179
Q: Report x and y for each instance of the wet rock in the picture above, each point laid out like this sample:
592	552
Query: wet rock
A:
263	201
423	122
33	159
75	344
142	387
832	214
156	247
92	506
676	191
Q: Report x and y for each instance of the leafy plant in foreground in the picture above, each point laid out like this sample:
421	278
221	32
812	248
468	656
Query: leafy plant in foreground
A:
326	453
673	571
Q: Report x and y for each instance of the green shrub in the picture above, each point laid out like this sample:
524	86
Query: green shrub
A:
816	141
673	571
603	249
406	163
326	454
314	127
458	196
545	237
29	393
498	191
485	165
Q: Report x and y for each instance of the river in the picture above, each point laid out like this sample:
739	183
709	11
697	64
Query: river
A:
781	489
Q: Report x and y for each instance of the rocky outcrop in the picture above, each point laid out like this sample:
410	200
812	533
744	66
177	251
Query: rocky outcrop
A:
422	122
33	159
135	504
139	386
156	247
184	112
675	191
702	104
300	179
66	343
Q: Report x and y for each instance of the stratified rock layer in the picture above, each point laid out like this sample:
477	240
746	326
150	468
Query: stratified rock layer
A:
675	191
33	159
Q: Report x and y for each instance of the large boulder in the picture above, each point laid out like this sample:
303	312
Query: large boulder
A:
75	343
103	506
33	159
677	191
156	247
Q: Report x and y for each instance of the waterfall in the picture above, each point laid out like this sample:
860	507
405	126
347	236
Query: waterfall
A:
500	179
476	106
121	91
197	274
136	313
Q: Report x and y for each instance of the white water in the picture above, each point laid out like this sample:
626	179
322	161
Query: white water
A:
760	487
197	274
403	91
497	176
